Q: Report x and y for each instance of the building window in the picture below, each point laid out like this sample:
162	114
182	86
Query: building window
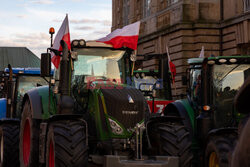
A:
170	2
126	9
247	5
146	8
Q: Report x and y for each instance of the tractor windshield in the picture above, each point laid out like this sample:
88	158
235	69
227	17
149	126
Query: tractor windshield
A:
98	63
26	83
227	79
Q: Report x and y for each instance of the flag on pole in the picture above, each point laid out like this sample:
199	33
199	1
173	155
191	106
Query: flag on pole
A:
125	37
62	34
202	52
172	67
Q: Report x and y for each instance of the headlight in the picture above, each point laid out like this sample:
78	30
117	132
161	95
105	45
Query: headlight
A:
116	128
75	43
82	42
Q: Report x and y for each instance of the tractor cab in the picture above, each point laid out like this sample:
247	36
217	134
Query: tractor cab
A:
213	83
98	62
154	84
209	110
16	82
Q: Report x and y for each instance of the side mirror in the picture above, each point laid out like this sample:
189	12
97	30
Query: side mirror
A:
184	80
45	64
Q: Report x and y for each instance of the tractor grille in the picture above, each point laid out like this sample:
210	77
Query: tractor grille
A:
125	105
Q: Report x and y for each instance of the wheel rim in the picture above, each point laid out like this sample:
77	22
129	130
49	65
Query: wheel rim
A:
26	142
51	155
213	160
2	148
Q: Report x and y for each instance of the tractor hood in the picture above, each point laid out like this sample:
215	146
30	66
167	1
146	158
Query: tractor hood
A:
123	103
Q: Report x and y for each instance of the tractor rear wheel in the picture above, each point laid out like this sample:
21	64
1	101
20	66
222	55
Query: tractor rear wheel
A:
9	137
219	150
29	138
171	139
66	144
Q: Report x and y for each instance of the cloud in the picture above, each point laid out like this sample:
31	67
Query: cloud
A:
85	21
90	21
45	15
85	28
102	32
21	16
101	5
36	42
42	2
77	0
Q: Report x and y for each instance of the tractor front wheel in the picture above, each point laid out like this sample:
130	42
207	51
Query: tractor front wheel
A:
219	150
9	136
66	144
171	139
29	138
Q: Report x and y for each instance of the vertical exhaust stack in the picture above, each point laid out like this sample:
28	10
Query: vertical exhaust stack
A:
66	103
64	71
9	112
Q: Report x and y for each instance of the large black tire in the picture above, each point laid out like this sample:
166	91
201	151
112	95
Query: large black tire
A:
171	139
9	137
66	144
29	138
219	150
241	155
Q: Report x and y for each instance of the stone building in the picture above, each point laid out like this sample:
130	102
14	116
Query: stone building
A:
184	26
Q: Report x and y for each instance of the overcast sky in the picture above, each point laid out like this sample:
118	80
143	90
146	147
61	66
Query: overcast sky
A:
27	22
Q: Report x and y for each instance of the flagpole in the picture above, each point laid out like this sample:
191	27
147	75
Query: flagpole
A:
171	71
133	66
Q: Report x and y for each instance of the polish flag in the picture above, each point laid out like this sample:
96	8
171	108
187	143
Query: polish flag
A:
172	67
62	34
125	37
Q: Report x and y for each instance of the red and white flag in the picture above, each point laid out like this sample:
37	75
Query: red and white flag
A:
202	52
172	67
62	34
125	37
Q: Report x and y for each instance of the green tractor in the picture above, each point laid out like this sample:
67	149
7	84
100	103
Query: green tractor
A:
91	117
241	154
208	111
15	82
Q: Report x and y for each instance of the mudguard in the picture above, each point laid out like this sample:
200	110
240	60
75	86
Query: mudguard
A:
38	98
3	104
221	131
10	121
35	103
183	109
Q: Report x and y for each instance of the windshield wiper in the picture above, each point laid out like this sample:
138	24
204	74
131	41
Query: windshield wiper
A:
229	72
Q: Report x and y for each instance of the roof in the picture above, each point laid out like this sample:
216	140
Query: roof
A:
33	71
17	57
98	44
200	60
195	60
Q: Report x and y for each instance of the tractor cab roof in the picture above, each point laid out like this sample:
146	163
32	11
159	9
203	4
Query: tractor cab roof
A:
26	71
97	44
220	60
81	43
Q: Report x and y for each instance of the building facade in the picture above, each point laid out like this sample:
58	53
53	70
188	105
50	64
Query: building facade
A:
184	26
